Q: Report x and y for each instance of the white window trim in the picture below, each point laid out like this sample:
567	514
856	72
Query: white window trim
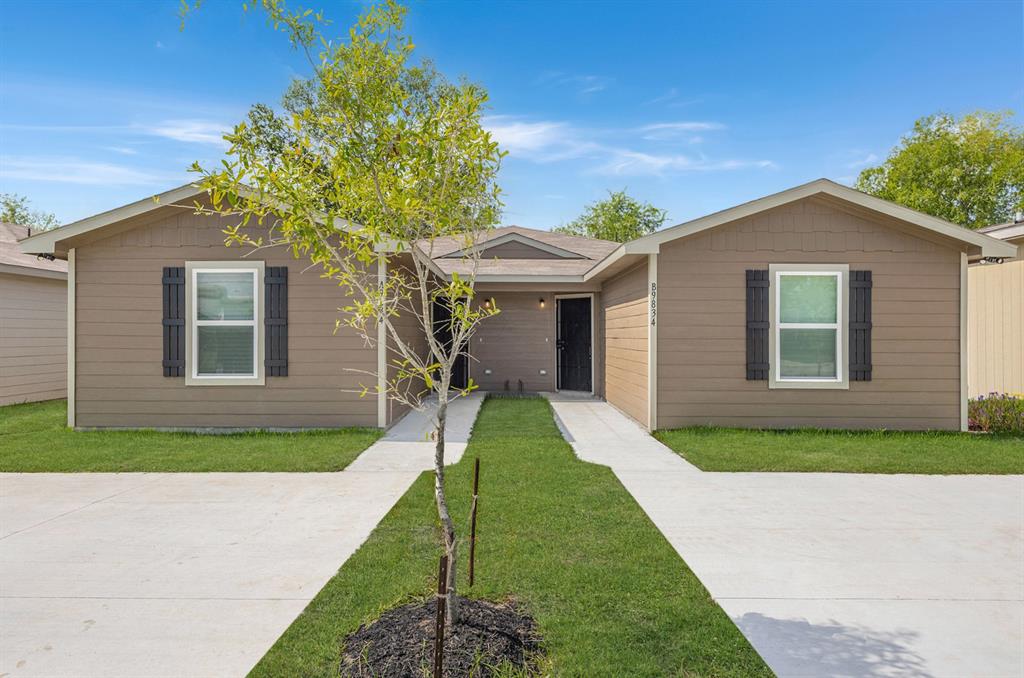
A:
841	380
192	268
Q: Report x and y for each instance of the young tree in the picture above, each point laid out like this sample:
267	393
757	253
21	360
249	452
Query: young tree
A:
620	218
374	155
14	209
969	170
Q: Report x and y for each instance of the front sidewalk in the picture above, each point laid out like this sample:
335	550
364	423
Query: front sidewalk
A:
836	574
171	574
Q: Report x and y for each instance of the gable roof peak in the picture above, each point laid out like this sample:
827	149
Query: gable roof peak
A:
979	243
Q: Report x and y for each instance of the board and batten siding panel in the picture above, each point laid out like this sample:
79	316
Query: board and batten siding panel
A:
33	338
995	341
120	380
626	323
916	314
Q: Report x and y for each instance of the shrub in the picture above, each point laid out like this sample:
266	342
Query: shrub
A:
996	413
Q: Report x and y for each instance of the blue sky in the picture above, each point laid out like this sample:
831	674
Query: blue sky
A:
693	107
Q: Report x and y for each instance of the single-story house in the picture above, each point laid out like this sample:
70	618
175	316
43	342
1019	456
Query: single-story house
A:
995	318
33	322
817	306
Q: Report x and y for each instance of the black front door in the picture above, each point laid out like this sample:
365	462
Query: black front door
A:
442	317
574	350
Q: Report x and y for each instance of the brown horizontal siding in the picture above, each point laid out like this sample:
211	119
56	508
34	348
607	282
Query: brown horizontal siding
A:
119	350
625	310
516	344
916	316
33	338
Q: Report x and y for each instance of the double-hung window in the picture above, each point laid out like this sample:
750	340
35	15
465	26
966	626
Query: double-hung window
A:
808	344
225	342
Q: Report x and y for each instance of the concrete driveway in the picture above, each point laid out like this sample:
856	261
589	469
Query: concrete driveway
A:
185	574
836	574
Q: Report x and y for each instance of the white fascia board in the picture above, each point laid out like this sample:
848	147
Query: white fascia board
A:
988	246
601	265
44	243
1004	231
514	237
555	279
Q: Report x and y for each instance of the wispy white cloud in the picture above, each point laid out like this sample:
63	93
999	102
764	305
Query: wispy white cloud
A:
664	131
198	130
582	84
615	152
541	141
636	163
864	161
191	131
123	150
73	170
673	98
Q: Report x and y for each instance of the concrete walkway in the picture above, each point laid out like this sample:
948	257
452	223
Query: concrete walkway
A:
836	574
186	574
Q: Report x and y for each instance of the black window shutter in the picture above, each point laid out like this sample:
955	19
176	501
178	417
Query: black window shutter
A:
174	321
860	325
757	325
275	321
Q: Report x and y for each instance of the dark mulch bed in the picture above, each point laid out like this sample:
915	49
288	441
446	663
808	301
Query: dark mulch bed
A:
400	643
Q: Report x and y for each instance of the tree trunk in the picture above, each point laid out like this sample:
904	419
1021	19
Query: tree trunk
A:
447	525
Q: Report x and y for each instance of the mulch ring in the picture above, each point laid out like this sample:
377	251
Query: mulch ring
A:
400	643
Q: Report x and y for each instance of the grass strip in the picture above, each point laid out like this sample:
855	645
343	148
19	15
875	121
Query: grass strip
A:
34	438
563	537
933	452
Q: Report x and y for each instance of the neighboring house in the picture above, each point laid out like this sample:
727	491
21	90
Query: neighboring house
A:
996	319
33	324
818	306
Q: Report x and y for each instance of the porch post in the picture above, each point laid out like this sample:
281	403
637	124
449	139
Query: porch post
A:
72	331
963	341
652	342
382	351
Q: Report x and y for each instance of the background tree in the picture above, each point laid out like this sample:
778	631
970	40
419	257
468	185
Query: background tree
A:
14	209
969	170
373	154
619	218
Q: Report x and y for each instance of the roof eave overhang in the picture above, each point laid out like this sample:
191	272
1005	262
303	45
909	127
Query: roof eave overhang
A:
53	242
50	242
13	269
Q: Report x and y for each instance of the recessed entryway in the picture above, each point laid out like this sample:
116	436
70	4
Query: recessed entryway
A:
441	316
575	342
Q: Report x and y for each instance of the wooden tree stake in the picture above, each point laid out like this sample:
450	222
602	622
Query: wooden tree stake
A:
472	519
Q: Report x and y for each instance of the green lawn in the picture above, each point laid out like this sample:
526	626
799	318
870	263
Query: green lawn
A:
611	596
724	449
34	438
